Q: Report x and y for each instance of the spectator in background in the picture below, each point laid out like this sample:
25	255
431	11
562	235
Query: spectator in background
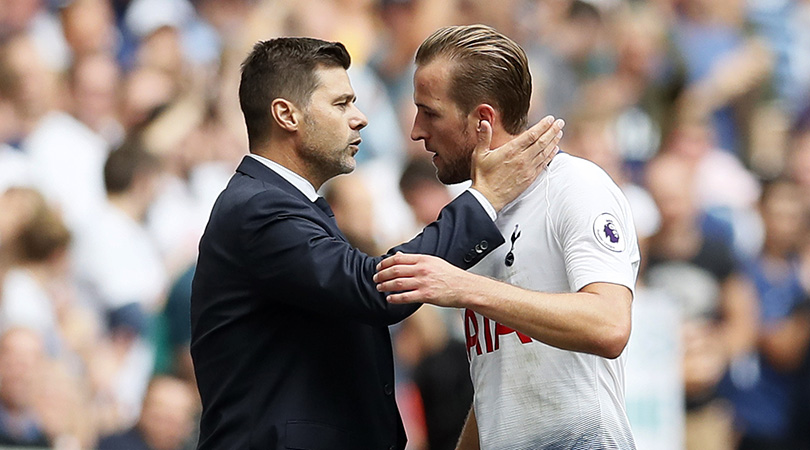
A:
33	18
65	156
799	50
22	354
798	157
722	187
122	273
145	91
764	391
89	28
173	336
422	190
14	164
406	24
351	202
18	210
29	84
166	421
719	304
727	68
566	44
63	405
439	370
639	91
94	82
38	293
195	152
32	295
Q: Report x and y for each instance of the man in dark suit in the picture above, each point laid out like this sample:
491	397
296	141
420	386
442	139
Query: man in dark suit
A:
290	337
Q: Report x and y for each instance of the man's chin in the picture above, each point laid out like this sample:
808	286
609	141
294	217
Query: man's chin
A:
451	178
349	165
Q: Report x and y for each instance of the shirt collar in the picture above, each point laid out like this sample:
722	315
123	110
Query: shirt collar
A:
293	178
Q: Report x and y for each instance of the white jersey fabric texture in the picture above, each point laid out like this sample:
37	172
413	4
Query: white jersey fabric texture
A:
571	227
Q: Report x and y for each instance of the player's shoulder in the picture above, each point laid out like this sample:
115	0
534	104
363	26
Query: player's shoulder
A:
574	165
574	174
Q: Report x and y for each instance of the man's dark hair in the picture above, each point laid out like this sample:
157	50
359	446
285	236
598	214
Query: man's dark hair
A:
282	68
124	164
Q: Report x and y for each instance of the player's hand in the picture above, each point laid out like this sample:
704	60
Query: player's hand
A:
421	278
501	174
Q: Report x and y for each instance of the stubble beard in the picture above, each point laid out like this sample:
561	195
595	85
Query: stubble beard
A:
325	159
459	169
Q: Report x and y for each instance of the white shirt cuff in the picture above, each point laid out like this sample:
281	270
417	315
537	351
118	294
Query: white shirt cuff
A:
484	203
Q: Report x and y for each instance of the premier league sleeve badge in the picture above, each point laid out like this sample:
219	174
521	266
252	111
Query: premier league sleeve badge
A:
608	232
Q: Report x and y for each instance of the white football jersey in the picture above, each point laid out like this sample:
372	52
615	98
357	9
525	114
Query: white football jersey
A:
570	228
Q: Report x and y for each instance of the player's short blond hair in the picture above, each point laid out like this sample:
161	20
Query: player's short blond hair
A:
489	68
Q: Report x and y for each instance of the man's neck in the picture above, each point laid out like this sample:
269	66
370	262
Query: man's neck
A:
500	137
284	153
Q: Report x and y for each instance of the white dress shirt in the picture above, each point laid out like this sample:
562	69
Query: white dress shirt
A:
307	189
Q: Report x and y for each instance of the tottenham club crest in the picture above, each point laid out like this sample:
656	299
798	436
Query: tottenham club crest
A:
510	257
608	233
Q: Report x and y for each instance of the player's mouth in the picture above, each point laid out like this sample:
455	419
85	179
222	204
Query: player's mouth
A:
355	146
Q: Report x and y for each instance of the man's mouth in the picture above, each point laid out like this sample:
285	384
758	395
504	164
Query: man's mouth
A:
355	146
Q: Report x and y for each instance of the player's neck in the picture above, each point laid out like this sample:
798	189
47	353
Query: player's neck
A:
500	137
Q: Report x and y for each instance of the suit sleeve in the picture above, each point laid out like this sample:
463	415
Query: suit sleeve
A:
298	261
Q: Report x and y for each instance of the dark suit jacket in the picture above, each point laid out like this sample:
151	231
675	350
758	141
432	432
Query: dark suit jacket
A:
290	337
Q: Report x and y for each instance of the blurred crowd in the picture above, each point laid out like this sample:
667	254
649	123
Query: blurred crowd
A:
120	124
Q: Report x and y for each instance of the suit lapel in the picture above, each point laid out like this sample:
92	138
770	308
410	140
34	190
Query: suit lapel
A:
259	171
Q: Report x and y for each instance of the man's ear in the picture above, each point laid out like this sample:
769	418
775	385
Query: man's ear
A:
485	112
286	114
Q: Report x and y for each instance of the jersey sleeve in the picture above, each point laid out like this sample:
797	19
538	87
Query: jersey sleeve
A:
594	225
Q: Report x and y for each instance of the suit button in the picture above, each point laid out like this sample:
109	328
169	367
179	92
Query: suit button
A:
468	257
388	389
484	245
478	249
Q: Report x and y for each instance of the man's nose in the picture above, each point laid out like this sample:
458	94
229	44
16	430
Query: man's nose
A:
359	121
416	131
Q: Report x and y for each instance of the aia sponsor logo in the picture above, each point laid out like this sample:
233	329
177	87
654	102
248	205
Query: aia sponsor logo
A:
487	338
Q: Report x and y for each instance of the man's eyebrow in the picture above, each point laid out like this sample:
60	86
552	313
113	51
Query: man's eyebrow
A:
346	97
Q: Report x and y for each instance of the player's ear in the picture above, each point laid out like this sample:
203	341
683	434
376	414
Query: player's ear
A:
485	112
285	114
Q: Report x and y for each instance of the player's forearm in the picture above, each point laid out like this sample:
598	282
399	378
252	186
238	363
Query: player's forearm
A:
595	321
469	434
